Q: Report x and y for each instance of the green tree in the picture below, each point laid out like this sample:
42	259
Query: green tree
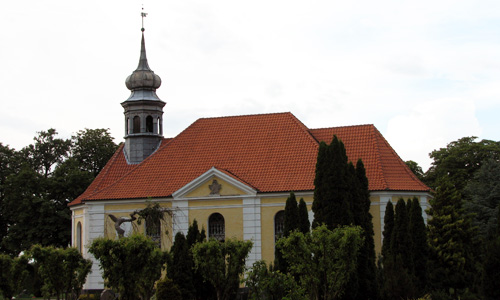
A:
222	264
401	241
484	189
61	270
47	152
420	248
388	229
93	148
304	224
12	274
363	285
291	215
203	289
324	260
459	161
9	165
398	261
130	265
180	269
491	266
264	283
166	289
451	243
416	169
332	191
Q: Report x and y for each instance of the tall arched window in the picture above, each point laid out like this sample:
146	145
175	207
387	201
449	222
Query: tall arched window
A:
279	224
216	227
79	237
149	124
137	125
153	230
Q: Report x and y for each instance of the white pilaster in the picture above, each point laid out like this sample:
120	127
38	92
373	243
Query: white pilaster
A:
180	219
252	228
94	228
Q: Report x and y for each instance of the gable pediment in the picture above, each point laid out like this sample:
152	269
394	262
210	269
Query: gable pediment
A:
212	184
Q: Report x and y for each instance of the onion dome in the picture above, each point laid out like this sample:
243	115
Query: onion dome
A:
143	82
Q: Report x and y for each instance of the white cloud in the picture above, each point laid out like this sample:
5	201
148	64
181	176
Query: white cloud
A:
431	125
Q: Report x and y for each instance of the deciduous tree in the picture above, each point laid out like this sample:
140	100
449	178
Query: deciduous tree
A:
130	265
222	264
324	260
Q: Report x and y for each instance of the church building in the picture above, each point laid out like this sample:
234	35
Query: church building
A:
232	174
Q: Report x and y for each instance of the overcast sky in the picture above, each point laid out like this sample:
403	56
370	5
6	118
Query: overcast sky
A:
425	73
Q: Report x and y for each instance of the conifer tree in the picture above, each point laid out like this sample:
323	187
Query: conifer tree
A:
451	242
401	241
398	261
291	215
180	269
388	228
304	225
420	250
203	289
332	191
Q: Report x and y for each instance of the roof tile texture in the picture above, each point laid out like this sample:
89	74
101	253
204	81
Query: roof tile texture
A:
270	152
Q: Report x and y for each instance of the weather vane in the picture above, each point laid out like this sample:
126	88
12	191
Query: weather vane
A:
143	15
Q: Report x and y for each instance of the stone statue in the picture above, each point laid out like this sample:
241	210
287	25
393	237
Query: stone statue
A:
120	220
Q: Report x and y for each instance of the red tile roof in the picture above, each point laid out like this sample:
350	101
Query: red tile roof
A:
269	152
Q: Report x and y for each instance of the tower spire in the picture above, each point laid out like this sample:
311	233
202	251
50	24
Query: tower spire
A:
143	109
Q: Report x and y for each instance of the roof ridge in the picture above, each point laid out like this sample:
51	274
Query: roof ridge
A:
402	163
305	129
345	126
374	134
248	115
89	192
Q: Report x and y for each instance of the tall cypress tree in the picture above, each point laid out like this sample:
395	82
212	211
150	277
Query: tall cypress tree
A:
291	215
203	290
420	250
388	229
332	192
363	285
304	225
180	269
401	241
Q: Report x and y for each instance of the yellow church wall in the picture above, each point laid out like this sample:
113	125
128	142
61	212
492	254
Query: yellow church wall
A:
233	219
395	199
210	202
227	189
124	210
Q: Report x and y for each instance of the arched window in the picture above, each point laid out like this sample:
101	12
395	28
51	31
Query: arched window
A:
279	224
137	125
149	124
153	230
216	227
79	237
126	126
158	129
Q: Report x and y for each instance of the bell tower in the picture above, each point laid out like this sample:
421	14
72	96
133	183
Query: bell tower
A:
143	111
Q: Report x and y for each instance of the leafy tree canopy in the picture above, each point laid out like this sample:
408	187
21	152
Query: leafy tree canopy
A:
130	265
324	260
460	160
222	264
